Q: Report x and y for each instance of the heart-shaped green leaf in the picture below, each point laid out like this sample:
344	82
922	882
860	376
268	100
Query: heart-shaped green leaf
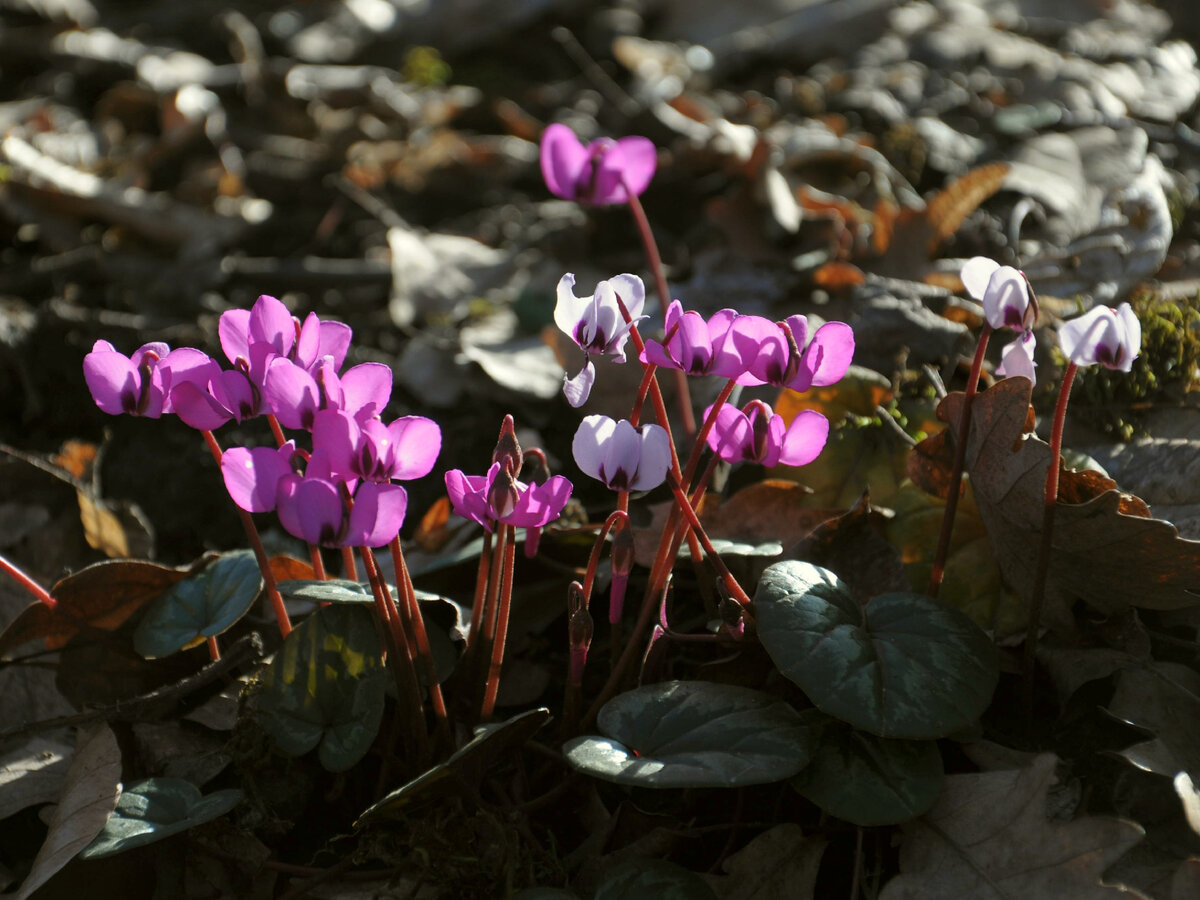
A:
326	687
335	590
869	780
904	666
157	808
201	606
693	734
652	879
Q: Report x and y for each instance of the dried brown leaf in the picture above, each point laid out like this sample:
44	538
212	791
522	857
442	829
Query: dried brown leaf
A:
989	836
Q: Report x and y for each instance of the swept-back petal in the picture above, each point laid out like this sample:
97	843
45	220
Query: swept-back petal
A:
589	444
568	309
831	352
976	273
540	504
1017	358
366	389
416	443
271	323
563	158
377	514
291	393
197	407
310	509
632	292
804	438
578	389
655	458
252	475
233	328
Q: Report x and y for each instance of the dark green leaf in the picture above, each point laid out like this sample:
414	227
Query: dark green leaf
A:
201	606
652	879
693	734
869	780
157	808
904	666
326	687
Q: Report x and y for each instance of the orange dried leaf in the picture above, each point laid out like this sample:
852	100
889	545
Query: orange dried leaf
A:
947	211
838	275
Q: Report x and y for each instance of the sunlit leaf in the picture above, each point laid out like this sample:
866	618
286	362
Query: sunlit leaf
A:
652	879
157	808
325	687
201	606
693	734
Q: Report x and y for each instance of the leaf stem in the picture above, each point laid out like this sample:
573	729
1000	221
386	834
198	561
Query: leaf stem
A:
960	458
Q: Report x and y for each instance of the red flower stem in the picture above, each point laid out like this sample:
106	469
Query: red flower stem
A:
497	565
260	553
1049	504
482	577
501	635
589	577
214	652
687	417
417	625
409	709
280	440
656	397
685	506
960	459
318	563
14	572
635	415
349	567
705	429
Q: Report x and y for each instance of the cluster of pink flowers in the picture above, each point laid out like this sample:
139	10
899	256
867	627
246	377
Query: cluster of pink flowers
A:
339	494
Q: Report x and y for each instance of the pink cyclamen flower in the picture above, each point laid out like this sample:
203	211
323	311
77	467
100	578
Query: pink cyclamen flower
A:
597	325
131	385
372	451
697	346
598	173
1111	337
756	434
320	510
1017	358
776	352
498	497
205	396
1003	291
251	338
623	457
295	395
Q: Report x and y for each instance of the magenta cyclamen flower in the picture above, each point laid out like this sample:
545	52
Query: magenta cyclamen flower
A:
313	509
598	173
696	346
251	338
1002	290
131	385
295	395
775	352
252	476
498	497
623	457
205	396
372	451
756	434
597	325
1111	337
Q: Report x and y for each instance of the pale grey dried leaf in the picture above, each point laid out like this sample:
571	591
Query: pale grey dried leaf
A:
1159	470
886	323
90	793
439	274
33	773
1163	698
780	862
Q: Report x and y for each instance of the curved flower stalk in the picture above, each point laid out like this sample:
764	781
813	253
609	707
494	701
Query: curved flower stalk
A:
1101	336
604	172
755	434
625	458
597	325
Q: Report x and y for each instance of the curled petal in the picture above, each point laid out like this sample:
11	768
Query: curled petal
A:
578	389
1017	358
416	443
832	350
468	495
976	273
563	158
366	389
252	475
540	504
631	290
1111	337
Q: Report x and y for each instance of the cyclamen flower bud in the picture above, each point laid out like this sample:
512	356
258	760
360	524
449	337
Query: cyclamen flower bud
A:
508	450
1007	300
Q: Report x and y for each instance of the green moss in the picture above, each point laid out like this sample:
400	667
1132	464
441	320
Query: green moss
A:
425	66
1166	369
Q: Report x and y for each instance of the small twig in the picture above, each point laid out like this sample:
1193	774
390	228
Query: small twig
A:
156	703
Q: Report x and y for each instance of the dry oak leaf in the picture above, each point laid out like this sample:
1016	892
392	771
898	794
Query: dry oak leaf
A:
988	838
1106	549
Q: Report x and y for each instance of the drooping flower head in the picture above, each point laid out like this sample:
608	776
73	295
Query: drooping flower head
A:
598	173
697	346
755	434
1017	357
371	451
499	497
294	394
776	352
1003	291
251	338
1110	337
127	385
597	325
623	457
